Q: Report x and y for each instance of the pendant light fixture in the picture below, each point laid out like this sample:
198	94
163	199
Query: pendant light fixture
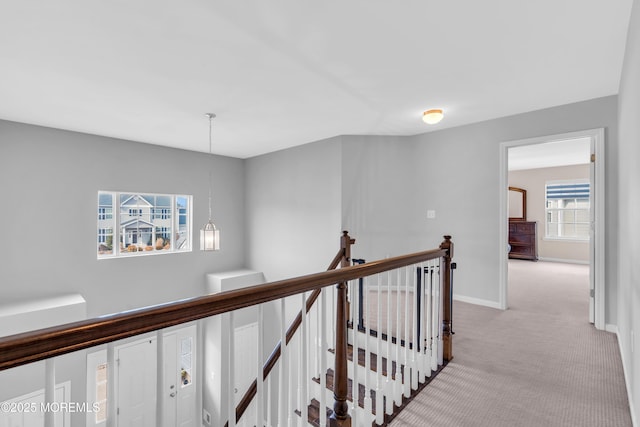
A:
209	234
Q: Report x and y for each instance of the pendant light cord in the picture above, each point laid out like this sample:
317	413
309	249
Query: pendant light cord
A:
211	116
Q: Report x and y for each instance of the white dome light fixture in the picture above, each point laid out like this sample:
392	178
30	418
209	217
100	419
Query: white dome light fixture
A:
432	116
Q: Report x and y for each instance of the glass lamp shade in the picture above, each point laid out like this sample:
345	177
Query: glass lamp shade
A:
209	237
432	116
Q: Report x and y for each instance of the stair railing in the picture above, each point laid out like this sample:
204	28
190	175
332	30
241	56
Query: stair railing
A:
395	352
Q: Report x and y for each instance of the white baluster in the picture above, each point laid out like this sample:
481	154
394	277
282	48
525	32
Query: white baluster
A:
440	312
397	384
435	321
379	378
268	384
422	365
323	357
232	366
406	376
414	327
282	377
260	377
367	356
355	310
388	381
304	376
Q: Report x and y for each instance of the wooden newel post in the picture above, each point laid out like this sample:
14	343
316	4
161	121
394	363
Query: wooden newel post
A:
447	302
340	416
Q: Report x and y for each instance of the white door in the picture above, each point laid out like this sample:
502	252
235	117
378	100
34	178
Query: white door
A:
245	367
170	381
136	379
179	378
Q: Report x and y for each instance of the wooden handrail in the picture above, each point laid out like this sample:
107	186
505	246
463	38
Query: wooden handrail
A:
24	348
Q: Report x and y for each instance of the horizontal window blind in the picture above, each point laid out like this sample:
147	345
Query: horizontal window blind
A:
568	191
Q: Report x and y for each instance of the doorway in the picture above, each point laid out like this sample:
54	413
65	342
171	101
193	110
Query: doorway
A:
595	138
155	382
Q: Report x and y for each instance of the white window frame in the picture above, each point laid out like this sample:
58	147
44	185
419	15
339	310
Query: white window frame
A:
560	211
113	221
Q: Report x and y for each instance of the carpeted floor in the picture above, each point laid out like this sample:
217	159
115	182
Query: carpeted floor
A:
540	363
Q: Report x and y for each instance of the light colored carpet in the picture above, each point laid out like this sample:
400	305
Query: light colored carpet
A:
540	363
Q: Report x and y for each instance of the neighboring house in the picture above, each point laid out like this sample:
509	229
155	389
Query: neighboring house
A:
146	222
142	222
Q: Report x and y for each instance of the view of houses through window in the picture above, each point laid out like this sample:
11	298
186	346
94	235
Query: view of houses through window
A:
567	210
130	223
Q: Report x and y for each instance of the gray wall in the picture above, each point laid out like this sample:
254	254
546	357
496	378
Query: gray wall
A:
628	319
50	179
390	183
293	209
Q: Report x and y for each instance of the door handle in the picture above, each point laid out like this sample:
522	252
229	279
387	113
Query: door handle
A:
172	395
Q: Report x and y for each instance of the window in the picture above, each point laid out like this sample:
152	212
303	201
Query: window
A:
186	359
144	224
567	210
101	393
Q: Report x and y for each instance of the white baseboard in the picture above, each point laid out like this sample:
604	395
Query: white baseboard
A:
476	301
625	370
565	261
612	328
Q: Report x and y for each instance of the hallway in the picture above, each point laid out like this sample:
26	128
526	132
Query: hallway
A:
540	363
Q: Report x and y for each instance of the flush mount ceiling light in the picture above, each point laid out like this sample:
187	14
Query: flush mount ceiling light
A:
432	116
209	234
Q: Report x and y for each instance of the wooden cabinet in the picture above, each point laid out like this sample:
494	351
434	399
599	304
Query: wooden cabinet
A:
523	240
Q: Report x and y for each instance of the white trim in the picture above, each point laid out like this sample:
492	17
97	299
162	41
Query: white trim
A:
599	228
477	301
625	372
566	240
565	261
613	329
598	187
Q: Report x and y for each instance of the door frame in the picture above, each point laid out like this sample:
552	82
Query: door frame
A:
598	187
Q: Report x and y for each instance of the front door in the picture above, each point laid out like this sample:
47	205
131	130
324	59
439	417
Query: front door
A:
179	373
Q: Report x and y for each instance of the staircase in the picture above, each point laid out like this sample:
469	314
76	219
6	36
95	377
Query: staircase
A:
388	371
384	330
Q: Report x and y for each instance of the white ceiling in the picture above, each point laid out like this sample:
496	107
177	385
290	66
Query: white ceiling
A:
283	73
550	154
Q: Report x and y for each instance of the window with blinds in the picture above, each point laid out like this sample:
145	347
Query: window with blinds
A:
567	210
